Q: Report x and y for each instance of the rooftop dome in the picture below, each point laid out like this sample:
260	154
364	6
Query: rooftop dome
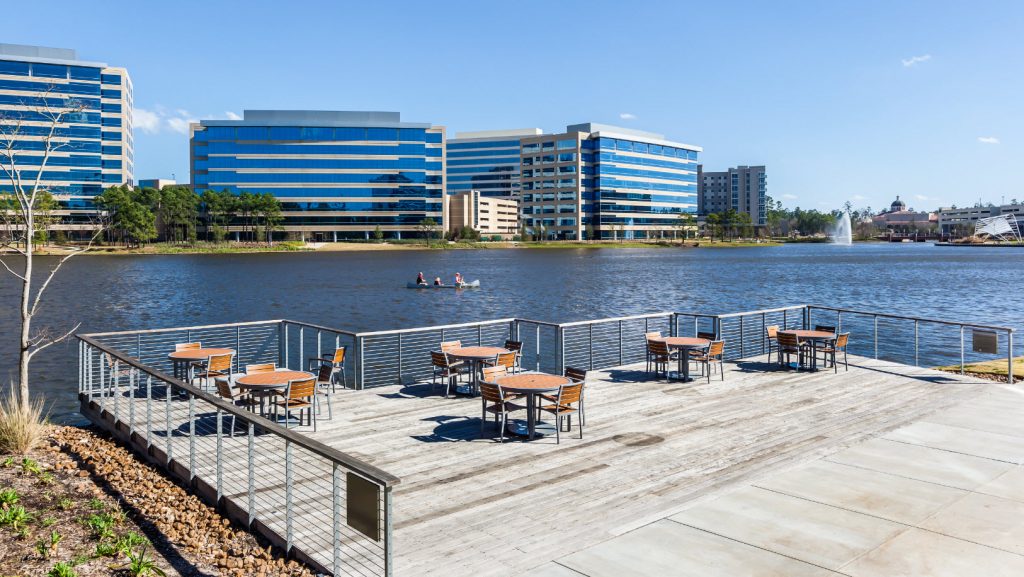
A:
898	205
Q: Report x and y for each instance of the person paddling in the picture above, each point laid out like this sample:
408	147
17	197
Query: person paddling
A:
458	279
437	281
421	280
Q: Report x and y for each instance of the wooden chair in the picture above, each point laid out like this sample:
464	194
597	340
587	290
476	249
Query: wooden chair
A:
299	395
337	363
517	348
225	391
648	337
260	368
324	388
449	345
115	371
661	356
790	345
568	395
834	347
262	395
714	354
187	346
579	376
507	360
496	402
771	335
444	368
825	328
217	367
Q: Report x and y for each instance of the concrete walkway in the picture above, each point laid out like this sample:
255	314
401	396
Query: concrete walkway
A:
942	496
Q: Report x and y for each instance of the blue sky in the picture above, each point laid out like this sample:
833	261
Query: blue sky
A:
856	101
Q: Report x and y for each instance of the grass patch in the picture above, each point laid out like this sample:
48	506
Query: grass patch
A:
738	244
996	368
21	427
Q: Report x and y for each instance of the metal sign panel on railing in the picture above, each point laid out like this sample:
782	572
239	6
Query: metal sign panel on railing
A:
985	342
361	501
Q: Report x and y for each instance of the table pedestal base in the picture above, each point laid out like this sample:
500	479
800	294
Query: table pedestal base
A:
521	428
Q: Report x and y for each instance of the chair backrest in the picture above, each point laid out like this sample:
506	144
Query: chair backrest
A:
516	346
301	388
506	360
339	355
842	340
491	373
570	393
772	331
490	392
187	346
449	345
439	359
224	390
659	348
219	363
706	335
652	335
825	328
260	368
716	348
788	340
324	374
578	375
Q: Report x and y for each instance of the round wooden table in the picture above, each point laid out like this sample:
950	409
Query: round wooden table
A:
685	345
186	357
475	356
814	337
531	385
261	385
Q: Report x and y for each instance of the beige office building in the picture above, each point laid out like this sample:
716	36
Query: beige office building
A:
487	215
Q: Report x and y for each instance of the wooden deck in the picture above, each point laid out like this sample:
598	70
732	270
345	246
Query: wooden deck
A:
470	506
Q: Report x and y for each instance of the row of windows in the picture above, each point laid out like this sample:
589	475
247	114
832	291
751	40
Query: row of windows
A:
76	189
540	184
42	87
472	153
320	149
644	196
607	169
645	161
667	220
569	144
324	133
605	183
360	193
74	175
568	169
401	177
646	148
320	163
407	220
56	103
643	209
483	162
478	169
110	79
551	158
42	116
69	146
479	178
86	161
502	188
484	144
43	70
408	205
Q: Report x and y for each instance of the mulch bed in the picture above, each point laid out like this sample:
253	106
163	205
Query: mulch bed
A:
81	474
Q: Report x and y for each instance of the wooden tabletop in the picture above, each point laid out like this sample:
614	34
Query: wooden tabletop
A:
684	342
804	334
272	378
477	352
531	382
199	354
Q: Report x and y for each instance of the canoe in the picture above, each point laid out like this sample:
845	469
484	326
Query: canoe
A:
474	284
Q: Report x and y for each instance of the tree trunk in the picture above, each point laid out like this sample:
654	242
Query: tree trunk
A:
26	317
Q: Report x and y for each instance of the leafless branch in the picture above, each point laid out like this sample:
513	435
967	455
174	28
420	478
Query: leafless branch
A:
10	270
51	342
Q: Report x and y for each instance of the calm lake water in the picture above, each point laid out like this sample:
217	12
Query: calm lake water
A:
366	291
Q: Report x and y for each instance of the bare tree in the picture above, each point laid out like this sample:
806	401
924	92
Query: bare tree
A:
26	192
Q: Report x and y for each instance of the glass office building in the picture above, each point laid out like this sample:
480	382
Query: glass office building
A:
605	182
93	145
338	175
487	161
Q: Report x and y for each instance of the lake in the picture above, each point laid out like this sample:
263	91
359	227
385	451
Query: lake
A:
366	290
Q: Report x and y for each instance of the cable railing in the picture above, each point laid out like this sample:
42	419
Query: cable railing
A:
270	477
320	505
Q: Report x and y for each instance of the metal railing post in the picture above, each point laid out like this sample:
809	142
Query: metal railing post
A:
620	343
591	346
149	411
561	350
764	331
399	358
741	337
876	337
388	549
302	350
479	335
839	321
251	463
785	319
336	517
286	359
916	361
167	424
191	438
1009	357
220	454
288	514
360	345
238	349
538	349
961	349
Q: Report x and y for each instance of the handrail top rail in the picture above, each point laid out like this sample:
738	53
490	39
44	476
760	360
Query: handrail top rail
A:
319	327
355	465
911	318
760	311
435	328
613	319
176	329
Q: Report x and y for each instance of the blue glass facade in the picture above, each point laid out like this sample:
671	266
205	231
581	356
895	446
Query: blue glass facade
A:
487	162
94	103
338	174
603	182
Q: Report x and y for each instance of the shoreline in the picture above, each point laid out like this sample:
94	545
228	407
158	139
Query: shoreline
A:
295	247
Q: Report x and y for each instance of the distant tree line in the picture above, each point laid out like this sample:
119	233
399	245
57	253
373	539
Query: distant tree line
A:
135	217
782	221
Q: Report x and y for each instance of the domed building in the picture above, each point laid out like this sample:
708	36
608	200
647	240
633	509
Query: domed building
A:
899	218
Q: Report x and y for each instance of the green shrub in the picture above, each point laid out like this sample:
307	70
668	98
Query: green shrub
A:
140	565
21	427
62	569
8	497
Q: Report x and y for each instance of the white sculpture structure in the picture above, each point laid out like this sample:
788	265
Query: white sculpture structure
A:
1002	227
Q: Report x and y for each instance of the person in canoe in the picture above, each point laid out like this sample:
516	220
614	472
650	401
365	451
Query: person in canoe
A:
458	279
421	280
437	281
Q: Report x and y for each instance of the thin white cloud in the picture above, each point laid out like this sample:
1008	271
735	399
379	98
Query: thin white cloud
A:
627	116
922	197
858	197
789	196
178	124
146	120
232	115
915	60
988	140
